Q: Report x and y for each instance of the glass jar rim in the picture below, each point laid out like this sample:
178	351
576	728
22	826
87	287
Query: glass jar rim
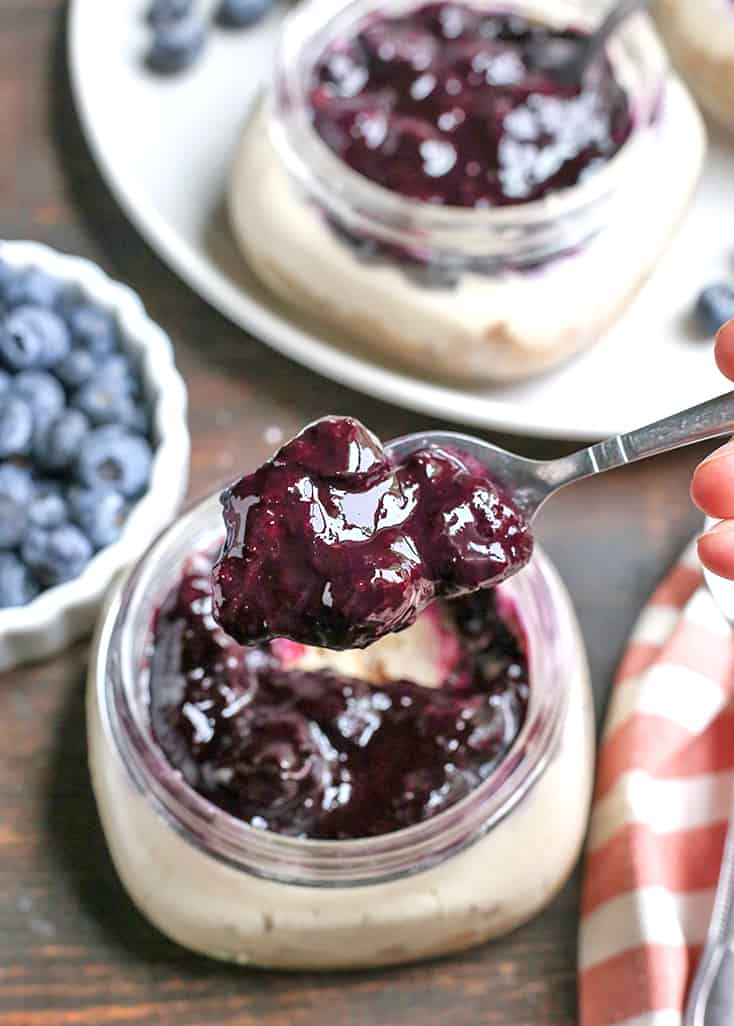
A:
118	669
525	232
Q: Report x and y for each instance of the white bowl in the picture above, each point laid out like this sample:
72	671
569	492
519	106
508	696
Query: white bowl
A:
65	613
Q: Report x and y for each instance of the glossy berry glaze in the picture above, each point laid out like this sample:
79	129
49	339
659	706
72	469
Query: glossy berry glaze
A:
332	544
452	105
321	755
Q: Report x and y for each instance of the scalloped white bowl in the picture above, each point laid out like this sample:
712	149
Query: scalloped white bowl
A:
62	615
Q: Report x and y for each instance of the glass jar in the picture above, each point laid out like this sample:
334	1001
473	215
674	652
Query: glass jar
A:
219	886
457	238
463	294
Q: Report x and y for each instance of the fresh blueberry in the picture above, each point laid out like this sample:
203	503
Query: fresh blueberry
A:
106	403
112	458
57	444
7	271
77	368
117	369
715	306
57	555
16	483
16	426
48	508
33	337
17	586
31	286
13	522
5	381
92	327
41	391
239	13
177	43
161	11
99	512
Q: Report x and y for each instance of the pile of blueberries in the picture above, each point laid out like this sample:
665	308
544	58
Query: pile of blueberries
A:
75	448
180	28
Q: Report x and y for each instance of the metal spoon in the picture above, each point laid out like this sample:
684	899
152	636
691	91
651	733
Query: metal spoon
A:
528	483
570	65
711	997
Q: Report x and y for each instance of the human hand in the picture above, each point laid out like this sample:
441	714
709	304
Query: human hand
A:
712	487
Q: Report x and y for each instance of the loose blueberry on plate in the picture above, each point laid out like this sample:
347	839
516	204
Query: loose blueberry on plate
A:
161	11
239	13
715	306
176	44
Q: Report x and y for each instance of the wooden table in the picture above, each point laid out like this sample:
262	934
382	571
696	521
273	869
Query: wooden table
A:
73	951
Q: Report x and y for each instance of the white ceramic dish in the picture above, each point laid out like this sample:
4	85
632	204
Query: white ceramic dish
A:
165	147
63	614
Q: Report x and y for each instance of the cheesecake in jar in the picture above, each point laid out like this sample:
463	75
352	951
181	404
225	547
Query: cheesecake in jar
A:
420	179
700	38
296	806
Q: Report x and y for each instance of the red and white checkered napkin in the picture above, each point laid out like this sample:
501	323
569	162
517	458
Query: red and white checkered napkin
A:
661	807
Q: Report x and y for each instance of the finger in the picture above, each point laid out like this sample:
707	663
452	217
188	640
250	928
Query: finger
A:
725	350
716	549
712	487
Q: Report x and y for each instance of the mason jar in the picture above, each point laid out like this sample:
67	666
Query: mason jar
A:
483	294
215	884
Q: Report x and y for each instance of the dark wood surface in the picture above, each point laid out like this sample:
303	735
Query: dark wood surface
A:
73	951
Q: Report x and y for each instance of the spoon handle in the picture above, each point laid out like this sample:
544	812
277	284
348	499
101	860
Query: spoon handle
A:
711	419
598	40
707	420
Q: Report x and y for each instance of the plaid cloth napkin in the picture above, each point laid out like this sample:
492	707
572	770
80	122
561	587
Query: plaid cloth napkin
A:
661	808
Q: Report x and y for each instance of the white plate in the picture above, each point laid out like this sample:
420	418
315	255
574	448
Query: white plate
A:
165	146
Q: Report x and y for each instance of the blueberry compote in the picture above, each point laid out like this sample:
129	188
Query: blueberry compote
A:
320	755
331	543
453	105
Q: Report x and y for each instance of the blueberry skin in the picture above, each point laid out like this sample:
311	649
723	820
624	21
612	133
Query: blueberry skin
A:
30	286
92	327
13	522
16	427
715	306
113	458
17	586
176	44
16	482
77	368
5	382
239	13
41	391
33	337
167	10
57	444
101	514
56	556
106	403
48	508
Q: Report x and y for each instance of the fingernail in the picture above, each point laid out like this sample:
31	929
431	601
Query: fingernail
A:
725	327
723	527
723	450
